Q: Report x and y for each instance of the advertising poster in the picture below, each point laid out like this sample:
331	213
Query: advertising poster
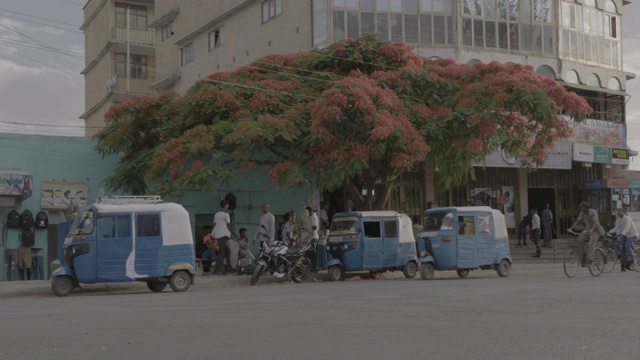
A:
59	195
509	214
15	184
482	196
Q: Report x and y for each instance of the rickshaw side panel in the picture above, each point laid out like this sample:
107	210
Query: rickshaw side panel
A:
170	255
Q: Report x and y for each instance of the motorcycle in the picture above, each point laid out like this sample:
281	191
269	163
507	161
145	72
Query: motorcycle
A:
292	262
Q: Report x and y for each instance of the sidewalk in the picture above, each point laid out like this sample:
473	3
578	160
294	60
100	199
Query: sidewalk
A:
43	287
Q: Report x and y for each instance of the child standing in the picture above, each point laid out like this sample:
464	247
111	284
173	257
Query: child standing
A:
244	252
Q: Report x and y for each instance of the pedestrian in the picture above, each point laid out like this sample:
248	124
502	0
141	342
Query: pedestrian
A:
627	233
222	231
592	230
547	225
525	223
322	213
535	231
243	251
288	229
304	227
321	248
267	229
315	226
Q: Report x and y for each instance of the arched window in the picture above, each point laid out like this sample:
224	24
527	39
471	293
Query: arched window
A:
613	84
572	77
609	6
473	62
593	80
546	70
591	3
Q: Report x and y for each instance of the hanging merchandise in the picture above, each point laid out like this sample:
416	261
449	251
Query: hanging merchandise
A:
42	220
28	238
26	219
13	219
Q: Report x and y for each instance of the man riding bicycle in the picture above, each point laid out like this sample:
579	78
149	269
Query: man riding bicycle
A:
627	235
592	230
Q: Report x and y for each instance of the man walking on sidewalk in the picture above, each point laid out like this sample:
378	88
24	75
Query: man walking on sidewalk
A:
535	231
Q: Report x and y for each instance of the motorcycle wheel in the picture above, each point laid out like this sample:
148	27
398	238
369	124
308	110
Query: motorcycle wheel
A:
256	274
302	269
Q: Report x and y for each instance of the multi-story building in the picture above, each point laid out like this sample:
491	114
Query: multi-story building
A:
171	44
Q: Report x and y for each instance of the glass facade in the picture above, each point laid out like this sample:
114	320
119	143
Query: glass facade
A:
590	34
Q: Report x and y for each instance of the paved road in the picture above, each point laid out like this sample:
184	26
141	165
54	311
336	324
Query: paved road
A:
535	313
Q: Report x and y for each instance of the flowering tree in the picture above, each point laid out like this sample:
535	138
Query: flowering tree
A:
354	115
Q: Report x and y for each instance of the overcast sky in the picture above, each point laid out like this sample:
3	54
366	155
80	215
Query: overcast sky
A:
42	55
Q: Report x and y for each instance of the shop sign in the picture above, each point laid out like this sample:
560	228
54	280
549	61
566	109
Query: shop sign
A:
598	132
634	183
592	185
617	183
620	156
557	158
583	152
602	154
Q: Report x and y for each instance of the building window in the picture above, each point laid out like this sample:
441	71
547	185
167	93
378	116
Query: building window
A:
187	54
137	16
167	31
412	21
216	38
590	34
320	22
270	9
138	65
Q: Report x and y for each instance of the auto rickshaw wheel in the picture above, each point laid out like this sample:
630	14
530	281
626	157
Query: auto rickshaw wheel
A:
462	273
426	271
336	273
410	270
62	285
156	286
504	268
180	281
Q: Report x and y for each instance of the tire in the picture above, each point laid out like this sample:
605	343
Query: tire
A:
610	260
302	270
426	271
156	286
410	270
256	274
504	268
597	266
375	274
571	262
180	281
463	273
336	273
636	257
62	285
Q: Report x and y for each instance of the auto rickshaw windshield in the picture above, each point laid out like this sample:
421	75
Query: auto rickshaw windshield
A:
83	223
344	225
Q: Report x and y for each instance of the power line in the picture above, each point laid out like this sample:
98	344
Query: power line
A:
36	17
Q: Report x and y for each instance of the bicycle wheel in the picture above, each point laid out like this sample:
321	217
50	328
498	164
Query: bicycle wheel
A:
598	263
610	260
636	253
571	262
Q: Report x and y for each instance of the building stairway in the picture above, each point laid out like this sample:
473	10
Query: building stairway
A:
553	254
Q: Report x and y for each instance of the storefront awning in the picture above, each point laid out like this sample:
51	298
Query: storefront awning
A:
16	183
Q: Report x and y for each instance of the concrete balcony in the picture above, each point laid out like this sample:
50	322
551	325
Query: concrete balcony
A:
138	87
139	37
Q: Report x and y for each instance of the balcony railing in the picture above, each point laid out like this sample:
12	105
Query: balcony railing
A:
137	36
141	87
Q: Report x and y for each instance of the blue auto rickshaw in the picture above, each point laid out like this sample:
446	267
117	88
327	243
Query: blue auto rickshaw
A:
128	238
463	239
373	241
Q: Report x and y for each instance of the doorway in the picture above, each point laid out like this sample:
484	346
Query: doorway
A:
539	197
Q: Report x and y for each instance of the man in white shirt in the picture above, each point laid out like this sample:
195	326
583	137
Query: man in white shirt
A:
322	213
627	235
267	229
222	231
535	231
315	225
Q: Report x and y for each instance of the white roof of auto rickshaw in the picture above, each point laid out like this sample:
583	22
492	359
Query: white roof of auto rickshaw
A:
405	228
174	218
498	217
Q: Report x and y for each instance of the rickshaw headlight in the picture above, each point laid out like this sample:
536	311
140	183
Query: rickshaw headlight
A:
423	253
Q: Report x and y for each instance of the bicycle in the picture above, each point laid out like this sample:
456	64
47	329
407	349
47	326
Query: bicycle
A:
610	255
636	252
573	258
